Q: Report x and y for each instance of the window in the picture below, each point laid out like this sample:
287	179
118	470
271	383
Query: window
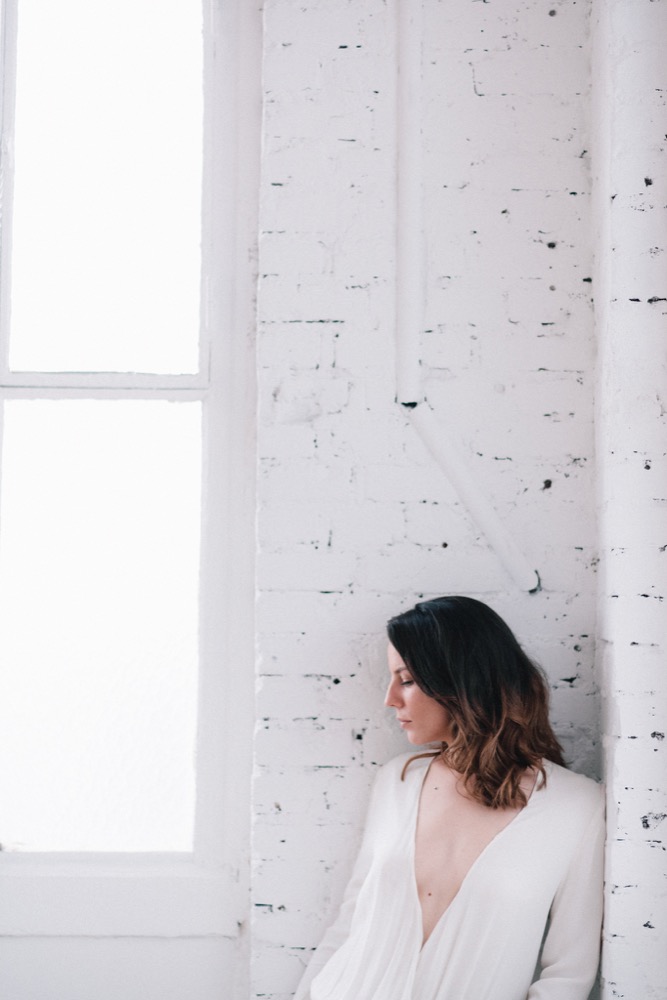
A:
124	466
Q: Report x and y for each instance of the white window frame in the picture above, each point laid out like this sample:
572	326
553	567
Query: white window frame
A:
205	892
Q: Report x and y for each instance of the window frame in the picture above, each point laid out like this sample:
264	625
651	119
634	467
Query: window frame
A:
203	892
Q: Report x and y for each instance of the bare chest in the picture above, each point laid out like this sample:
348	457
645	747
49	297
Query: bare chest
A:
452	832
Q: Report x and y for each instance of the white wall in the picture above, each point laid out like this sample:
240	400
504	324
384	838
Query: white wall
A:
355	519
118	969
631	305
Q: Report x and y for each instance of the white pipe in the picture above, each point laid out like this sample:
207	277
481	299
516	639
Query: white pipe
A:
454	466
411	296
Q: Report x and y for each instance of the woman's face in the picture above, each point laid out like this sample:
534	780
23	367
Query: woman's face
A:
423	718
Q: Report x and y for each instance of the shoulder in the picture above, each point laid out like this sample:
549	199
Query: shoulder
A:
572	783
392	769
574	792
389	776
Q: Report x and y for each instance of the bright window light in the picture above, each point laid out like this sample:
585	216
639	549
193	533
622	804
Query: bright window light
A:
99	584
107	193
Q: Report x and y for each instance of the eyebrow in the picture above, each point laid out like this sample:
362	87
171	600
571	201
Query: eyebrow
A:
402	670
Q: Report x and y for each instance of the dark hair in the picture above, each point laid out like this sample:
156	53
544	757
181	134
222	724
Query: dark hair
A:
460	652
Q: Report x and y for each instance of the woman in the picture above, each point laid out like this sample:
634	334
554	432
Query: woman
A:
480	871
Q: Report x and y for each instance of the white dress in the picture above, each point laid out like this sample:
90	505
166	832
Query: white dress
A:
543	871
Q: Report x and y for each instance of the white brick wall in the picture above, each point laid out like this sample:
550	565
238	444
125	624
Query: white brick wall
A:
631	180
355	520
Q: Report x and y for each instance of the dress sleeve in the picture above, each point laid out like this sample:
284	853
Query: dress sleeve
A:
571	950
337	933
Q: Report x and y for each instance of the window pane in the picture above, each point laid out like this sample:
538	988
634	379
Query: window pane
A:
99	568
107	189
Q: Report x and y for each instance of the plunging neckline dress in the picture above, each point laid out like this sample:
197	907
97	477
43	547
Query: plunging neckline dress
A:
544	866
414	822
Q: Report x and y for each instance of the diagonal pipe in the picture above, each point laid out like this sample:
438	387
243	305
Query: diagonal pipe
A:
411	296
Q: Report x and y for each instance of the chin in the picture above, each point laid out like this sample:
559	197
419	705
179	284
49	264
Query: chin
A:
420	740
425	739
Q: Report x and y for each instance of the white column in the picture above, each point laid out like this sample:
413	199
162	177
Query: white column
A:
630	157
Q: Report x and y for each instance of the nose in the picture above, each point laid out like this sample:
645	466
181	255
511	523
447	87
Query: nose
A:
391	698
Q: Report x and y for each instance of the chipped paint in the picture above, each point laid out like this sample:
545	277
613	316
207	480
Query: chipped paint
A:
355	519
631	176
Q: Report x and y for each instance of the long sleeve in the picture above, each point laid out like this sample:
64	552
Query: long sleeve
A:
571	950
338	932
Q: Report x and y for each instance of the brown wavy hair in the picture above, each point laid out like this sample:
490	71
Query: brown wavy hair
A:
460	652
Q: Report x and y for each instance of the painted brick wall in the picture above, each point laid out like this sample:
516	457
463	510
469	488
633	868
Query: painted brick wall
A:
355	520
631	317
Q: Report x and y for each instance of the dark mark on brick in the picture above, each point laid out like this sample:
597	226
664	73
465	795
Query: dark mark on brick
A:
651	820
